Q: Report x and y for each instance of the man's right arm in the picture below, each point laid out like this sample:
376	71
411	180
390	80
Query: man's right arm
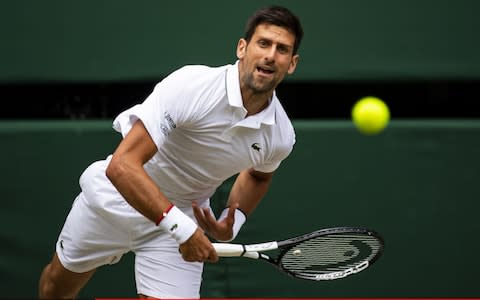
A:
127	174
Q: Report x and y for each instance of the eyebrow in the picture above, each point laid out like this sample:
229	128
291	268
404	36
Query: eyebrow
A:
290	47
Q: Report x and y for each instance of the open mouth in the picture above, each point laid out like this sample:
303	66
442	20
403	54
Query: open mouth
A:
264	70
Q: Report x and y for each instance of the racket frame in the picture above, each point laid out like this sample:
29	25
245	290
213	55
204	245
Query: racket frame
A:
254	251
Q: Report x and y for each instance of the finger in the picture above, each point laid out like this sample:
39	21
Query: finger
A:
208	216
187	257
212	260
231	214
213	257
196	209
208	222
231	211
199	215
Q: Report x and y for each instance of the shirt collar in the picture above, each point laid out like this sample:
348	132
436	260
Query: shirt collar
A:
266	116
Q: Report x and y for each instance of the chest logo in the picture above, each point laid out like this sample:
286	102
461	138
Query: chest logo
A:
256	146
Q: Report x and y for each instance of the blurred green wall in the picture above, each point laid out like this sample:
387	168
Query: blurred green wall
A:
417	184
126	40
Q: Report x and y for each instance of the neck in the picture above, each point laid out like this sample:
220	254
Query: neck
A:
255	103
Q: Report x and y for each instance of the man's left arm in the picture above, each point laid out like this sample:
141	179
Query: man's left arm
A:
247	191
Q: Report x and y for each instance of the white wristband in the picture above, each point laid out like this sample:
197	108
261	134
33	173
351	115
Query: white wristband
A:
178	224
240	219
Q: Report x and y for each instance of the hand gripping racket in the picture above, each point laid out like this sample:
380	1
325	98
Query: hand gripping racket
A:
324	254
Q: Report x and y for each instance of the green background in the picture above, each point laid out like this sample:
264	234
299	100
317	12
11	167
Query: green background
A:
344	39
416	183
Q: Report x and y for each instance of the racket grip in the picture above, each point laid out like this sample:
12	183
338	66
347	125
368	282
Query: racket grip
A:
229	250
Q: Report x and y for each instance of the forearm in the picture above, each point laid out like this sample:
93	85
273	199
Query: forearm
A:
127	174
249	189
137	188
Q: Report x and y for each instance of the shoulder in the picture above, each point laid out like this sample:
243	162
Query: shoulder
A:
284	124
197	72
282	134
190	79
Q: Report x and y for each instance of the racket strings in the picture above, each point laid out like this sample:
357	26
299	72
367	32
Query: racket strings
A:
333	253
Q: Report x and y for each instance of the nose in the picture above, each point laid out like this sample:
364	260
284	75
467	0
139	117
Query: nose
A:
270	54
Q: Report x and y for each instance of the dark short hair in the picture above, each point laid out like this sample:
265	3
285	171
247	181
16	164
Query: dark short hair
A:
278	16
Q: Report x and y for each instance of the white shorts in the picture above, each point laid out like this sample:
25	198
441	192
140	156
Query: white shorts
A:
102	226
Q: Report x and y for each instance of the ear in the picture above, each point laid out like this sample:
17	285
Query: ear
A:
241	48
293	64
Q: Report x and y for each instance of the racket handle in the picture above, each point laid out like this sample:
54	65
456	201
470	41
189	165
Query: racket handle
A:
229	250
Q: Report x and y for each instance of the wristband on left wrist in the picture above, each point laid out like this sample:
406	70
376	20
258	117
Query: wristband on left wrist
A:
240	219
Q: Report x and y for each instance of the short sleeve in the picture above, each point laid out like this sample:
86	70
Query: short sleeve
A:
280	154
165	109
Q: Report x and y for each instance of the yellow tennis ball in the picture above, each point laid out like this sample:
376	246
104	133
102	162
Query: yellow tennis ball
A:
370	115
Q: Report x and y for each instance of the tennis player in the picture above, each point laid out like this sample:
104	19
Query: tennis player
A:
199	126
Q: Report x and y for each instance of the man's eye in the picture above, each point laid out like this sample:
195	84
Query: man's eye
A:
262	43
283	50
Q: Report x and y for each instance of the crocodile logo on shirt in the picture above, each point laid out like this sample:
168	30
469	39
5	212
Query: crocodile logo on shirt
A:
256	146
175	226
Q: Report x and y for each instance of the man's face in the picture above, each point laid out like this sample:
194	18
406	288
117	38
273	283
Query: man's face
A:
266	59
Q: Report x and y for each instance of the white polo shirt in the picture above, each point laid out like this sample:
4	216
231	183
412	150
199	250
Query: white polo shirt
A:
196	118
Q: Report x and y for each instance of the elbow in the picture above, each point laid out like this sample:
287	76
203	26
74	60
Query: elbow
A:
260	177
114	169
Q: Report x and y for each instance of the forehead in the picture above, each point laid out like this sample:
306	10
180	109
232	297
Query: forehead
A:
274	33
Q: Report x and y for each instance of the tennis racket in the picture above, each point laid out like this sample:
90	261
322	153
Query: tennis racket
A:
325	254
